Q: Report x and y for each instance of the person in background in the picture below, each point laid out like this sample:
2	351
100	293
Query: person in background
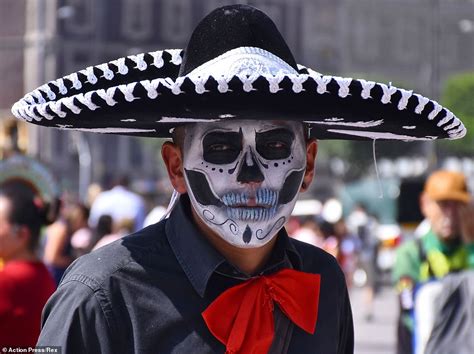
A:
58	252
104	227
122	228
82	237
25	283
120	203
447	247
309	232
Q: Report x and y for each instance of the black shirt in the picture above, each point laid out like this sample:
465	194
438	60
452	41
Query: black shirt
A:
146	292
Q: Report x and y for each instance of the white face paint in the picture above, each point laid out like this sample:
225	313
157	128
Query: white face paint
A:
243	177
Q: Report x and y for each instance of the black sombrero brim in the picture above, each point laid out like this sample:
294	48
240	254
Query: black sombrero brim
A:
143	95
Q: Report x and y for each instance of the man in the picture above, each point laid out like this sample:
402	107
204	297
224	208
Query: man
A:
447	247
120	203
220	274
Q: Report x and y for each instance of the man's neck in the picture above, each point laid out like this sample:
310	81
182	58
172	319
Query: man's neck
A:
248	260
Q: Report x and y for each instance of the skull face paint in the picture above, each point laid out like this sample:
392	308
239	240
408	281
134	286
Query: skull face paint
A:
243	177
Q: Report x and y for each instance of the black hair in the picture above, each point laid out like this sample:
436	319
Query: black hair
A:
27	210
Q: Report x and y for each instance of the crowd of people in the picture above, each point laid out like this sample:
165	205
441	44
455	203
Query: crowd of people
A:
36	257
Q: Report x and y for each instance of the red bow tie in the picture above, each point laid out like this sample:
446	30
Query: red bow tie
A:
242	316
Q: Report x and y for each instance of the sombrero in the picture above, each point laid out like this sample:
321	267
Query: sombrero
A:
235	66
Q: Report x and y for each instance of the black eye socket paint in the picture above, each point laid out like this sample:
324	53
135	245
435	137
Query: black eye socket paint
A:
274	144
222	147
290	187
201	189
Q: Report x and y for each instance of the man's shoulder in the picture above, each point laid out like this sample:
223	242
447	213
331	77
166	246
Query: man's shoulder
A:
95	268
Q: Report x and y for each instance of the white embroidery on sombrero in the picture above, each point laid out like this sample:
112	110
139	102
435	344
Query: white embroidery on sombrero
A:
185	120
322	82
367	86
56	108
128	120
39	97
409	127
454	124
199	83
69	103
86	99
379	135
422	101
151	87
29	99
46	89
222	84
388	91
139	61
244	60
158	61
32	114
19	111
449	115
64	126
437	108
274	82
227	115
175	56
59	83
120	64
459	132
403	103
344	84
108	96
173	85
76	83
247	81
116	130
311	72
42	110
106	72
89	73
298	82
127	91
361	124
335	119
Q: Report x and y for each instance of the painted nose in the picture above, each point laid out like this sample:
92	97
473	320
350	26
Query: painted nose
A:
250	172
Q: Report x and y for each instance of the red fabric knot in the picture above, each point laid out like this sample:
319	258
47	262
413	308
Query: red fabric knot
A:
242	319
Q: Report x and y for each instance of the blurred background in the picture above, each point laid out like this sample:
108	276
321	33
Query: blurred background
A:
424	45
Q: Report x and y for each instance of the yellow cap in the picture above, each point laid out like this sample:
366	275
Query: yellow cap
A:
447	185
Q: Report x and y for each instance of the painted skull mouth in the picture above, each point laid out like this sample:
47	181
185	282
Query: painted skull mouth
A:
261	198
259	205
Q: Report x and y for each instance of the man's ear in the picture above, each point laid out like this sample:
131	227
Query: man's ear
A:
311	152
173	159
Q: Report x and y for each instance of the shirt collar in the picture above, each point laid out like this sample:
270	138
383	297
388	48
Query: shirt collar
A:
199	259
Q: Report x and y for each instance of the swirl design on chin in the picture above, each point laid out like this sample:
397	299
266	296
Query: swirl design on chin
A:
209	216
277	225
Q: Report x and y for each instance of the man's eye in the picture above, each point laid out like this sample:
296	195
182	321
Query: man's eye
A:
219	147
276	145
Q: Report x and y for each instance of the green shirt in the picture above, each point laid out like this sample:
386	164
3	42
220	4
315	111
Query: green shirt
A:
441	258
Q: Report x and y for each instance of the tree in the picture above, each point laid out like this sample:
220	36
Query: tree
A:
458	96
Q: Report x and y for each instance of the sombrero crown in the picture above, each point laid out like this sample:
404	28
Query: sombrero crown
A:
235	66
